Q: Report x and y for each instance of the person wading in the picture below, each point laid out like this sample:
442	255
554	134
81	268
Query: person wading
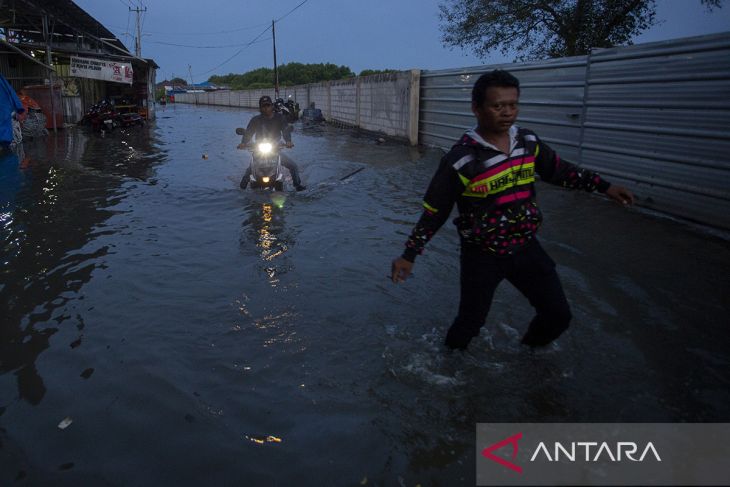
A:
490	175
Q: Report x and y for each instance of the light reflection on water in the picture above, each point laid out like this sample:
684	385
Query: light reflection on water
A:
215	318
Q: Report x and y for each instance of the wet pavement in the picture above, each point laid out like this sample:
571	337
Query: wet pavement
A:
197	334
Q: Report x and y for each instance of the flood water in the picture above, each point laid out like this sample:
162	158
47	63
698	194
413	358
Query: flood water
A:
197	334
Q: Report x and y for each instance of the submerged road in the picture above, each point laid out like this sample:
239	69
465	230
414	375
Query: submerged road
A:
197	334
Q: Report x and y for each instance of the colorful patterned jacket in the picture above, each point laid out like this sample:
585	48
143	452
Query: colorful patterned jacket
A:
494	192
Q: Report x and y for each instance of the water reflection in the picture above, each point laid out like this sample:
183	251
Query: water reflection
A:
56	195
264	230
161	265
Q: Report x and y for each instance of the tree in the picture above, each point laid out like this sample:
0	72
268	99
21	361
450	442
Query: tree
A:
538	29
178	82
289	74
368	72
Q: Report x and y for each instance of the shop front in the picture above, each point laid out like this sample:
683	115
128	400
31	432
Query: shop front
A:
60	57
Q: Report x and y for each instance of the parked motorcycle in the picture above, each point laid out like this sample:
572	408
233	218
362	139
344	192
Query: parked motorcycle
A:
289	109
266	169
102	117
130	119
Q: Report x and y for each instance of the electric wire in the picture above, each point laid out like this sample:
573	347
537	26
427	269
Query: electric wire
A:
237	52
290	11
206	47
188	34
254	40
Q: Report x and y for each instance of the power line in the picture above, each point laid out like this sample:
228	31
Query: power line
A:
129	15
290	11
241	29
253	41
188	34
205	47
237	52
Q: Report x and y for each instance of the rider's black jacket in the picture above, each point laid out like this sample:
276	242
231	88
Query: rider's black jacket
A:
267	128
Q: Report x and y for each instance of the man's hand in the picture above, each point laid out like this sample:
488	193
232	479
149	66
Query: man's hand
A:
289	145
241	146
620	194
400	269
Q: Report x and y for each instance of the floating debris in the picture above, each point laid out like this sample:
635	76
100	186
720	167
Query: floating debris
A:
352	173
260	440
65	423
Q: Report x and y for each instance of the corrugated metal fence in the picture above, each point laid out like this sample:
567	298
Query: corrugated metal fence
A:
654	117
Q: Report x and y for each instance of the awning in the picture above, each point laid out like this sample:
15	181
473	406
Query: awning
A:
25	54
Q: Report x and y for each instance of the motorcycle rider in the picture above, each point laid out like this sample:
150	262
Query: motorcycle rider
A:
313	113
273	126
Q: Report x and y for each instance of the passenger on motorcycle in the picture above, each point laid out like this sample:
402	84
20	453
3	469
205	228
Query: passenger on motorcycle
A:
272	126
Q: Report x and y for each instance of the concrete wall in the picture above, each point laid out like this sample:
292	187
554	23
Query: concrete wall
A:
319	94
384	103
344	101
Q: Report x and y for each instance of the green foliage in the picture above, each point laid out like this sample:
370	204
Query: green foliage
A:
538	29
368	72
289	74
178	82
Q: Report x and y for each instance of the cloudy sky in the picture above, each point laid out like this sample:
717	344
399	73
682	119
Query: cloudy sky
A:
377	34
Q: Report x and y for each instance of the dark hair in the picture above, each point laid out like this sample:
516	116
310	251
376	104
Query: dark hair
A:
497	77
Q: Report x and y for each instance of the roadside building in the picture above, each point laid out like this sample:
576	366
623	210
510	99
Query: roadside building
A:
67	61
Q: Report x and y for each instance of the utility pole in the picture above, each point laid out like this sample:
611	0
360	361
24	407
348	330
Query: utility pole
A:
276	69
48	35
190	73
138	40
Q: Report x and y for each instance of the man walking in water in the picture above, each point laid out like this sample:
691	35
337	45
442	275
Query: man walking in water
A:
490	175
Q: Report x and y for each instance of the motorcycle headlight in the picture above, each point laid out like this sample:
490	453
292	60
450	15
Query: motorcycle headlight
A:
264	148
265	179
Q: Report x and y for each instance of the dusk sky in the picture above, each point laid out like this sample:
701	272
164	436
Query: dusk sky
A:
376	34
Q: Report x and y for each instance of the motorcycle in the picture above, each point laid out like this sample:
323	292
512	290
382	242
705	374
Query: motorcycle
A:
102	117
129	120
266	168
289	109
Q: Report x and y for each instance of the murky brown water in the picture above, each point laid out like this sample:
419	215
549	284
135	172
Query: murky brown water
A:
185	326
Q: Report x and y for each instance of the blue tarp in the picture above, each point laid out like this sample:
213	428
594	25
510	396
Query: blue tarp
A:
9	103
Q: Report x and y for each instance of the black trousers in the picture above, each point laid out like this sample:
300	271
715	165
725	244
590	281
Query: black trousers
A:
531	271
287	163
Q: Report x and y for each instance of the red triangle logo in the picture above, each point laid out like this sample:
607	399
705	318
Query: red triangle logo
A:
487	452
